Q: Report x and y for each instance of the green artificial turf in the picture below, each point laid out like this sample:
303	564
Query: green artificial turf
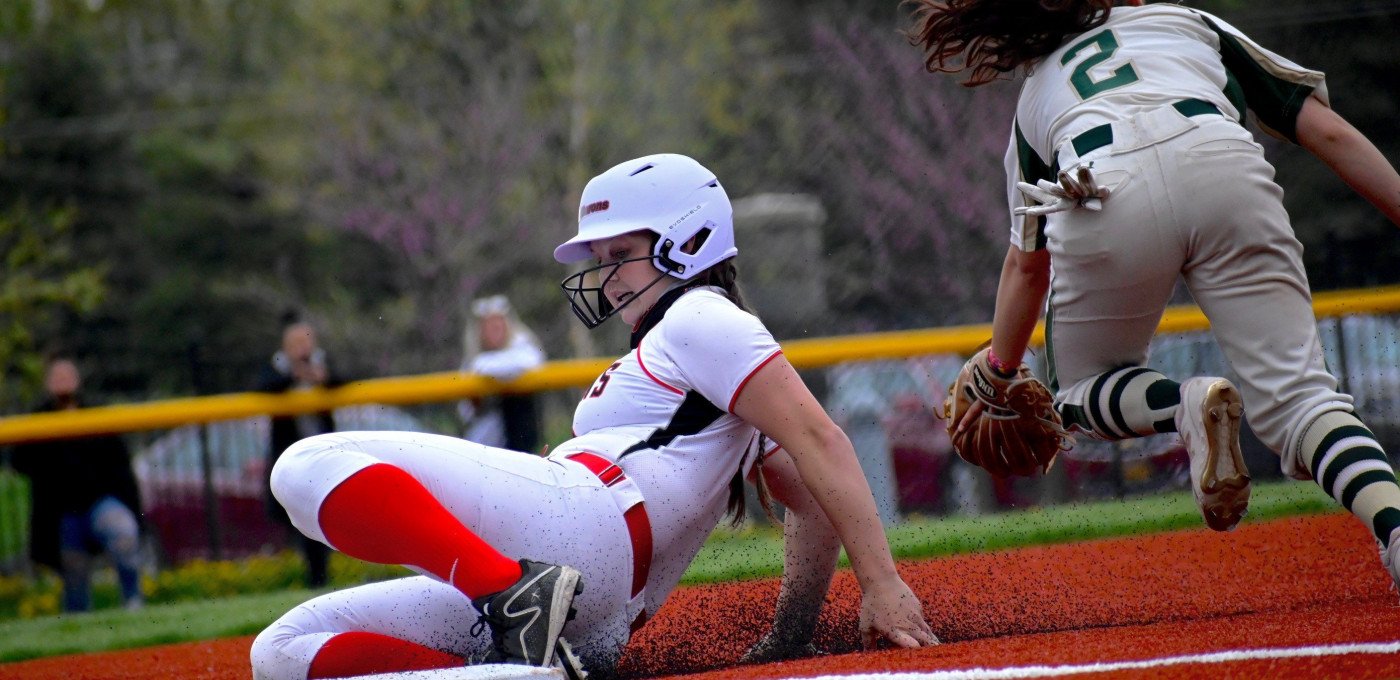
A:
758	553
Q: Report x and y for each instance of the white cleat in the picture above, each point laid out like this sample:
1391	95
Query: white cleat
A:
1390	559
1208	421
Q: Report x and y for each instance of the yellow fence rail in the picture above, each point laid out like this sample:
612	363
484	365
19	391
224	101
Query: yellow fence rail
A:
433	387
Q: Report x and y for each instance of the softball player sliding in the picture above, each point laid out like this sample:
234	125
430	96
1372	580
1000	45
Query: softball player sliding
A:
1151	98
606	525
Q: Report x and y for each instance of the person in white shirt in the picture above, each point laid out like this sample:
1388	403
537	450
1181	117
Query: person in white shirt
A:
665	438
1148	102
497	344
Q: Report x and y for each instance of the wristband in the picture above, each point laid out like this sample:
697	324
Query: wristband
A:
1002	368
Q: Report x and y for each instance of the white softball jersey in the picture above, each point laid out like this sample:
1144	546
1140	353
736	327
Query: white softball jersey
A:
662	414
1153	102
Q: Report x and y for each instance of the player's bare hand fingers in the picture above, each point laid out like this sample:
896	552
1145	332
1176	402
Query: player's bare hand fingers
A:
923	635
902	639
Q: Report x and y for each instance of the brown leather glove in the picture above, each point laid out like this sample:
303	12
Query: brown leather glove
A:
1012	427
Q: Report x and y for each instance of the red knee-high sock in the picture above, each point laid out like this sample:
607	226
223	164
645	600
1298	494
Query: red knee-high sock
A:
351	654
382	514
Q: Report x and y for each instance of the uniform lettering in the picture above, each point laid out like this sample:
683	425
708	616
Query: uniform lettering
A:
1084	83
602	382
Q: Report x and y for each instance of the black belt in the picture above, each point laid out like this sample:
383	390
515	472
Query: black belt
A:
1101	136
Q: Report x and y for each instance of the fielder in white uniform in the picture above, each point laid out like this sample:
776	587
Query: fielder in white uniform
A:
1151	98
665	437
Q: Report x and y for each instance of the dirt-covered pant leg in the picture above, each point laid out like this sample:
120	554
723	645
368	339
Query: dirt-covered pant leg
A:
523	505
418	609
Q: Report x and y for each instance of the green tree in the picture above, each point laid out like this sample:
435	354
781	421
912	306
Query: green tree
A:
56	192
41	278
145	118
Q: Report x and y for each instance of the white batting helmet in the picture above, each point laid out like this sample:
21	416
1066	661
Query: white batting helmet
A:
669	194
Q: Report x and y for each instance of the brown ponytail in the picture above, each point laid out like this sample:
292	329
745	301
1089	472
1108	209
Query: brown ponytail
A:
737	504
997	36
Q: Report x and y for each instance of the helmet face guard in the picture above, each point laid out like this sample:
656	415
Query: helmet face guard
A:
585	291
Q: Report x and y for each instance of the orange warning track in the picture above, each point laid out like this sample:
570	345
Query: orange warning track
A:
1282	584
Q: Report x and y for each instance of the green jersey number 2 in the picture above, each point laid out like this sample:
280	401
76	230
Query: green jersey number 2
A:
1084	83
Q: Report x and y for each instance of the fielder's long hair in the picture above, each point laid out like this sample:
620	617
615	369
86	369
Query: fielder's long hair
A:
995	37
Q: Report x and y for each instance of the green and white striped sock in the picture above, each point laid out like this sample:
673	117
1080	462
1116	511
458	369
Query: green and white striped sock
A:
1350	465
1127	402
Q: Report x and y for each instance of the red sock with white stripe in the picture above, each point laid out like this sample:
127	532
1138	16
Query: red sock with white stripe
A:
382	514
351	654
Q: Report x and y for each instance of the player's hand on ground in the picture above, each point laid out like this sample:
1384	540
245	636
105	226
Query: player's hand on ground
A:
892	612
1076	188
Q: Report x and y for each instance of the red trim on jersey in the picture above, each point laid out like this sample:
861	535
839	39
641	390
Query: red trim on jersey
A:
772	451
738	390
649	375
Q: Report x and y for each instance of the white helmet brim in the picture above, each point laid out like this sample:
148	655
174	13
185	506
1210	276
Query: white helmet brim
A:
576	249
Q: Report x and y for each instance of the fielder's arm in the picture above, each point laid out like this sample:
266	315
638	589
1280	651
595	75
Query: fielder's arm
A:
1025	279
778	403
1351	155
810	549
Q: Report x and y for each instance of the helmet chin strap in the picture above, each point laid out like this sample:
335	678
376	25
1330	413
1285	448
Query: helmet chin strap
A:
659	277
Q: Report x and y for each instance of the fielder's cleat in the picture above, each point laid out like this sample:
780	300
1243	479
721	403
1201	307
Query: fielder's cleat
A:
1208	421
526	618
1390	559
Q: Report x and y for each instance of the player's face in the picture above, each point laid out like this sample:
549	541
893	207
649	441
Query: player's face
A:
628	281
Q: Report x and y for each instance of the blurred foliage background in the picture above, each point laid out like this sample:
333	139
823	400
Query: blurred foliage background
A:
175	175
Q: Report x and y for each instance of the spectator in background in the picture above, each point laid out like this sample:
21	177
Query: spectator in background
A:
84	499
498	345
300	364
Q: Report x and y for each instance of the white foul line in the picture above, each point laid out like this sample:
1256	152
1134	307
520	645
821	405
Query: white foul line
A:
1016	672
